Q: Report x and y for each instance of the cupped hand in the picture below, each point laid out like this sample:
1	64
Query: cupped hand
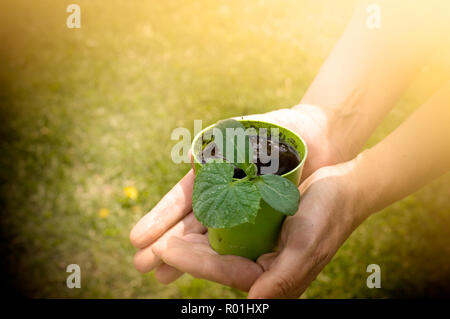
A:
328	212
172	217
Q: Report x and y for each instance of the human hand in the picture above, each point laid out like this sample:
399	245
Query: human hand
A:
173	217
329	211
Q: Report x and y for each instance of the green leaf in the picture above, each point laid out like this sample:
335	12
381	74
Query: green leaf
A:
280	193
220	202
234	139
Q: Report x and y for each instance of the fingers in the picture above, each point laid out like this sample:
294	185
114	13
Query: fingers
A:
145	260
289	273
194	255
283	279
166	274
172	207
266	260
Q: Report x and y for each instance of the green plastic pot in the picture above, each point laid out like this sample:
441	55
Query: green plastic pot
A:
252	240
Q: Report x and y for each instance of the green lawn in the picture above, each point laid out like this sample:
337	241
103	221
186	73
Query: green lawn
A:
87	112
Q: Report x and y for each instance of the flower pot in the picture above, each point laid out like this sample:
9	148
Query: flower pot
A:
252	240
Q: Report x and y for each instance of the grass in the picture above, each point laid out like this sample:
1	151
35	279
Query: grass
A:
88	112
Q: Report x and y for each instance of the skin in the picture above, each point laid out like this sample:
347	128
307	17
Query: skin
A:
340	189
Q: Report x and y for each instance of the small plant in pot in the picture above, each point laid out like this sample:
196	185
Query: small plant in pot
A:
246	184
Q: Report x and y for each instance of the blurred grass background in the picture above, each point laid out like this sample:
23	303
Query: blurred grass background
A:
86	116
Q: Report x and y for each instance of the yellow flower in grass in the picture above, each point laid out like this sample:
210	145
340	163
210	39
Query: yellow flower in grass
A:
103	212
130	192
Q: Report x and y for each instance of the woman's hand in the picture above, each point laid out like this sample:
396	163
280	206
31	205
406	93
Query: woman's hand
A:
173	217
330	209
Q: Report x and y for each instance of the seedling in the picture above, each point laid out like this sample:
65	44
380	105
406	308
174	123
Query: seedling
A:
221	201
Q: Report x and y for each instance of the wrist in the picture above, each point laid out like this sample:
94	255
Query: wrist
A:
365	183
